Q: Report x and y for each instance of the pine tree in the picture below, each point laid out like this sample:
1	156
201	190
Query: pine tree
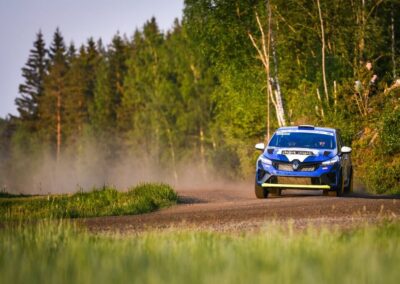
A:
108	88
71	53
117	56
74	102
80	80
91	62
55	89
32	89
101	108
139	113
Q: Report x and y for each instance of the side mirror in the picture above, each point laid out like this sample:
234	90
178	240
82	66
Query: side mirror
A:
345	150
260	146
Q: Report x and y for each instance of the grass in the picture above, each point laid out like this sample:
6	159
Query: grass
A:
98	202
57	252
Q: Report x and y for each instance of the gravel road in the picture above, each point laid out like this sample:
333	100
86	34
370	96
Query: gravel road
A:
237	209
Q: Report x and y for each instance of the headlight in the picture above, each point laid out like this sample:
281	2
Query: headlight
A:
331	161
265	161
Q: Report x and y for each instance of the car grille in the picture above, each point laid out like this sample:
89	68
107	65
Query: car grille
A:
295	180
289	168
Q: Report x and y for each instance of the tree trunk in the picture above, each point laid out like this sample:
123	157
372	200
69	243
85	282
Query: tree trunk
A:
334	96
278	94
58	125
320	103
202	153
268	117
361	44
393	43
323	53
173	158
268	88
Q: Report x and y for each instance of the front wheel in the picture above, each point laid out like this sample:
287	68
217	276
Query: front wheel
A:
349	187
340	186
260	191
276	192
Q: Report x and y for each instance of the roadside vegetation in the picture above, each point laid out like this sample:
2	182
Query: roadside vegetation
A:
58	252
377	151
106	201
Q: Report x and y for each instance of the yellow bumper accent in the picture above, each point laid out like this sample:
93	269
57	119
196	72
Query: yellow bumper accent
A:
301	186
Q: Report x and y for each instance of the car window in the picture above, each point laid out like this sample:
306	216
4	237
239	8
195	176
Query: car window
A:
287	139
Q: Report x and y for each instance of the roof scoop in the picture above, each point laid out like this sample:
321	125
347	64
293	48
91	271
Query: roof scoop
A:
306	126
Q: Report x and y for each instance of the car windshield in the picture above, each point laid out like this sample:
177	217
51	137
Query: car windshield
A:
296	139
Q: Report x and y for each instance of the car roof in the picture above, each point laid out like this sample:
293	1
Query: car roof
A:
308	128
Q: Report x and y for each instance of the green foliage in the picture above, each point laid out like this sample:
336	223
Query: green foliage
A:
382	175
60	253
106	201
7	129
200	88
157	195
390	132
78	99
32	89
382	170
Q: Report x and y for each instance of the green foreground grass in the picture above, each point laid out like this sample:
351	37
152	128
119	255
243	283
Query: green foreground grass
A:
57	252
106	201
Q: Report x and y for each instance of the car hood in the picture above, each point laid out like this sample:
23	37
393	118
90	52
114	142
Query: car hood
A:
302	154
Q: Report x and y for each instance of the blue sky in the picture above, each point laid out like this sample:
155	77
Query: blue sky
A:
78	20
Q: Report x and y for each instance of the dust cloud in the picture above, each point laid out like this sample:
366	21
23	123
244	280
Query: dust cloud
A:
92	168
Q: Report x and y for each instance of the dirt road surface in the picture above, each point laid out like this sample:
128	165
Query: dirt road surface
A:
224	209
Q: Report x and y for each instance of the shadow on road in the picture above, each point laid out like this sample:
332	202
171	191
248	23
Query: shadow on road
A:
189	200
371	196
290	193
309	193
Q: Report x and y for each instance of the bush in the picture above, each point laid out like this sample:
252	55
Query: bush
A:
380	161
382	176
105	201
390	132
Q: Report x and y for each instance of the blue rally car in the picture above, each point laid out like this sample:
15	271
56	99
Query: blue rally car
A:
304	157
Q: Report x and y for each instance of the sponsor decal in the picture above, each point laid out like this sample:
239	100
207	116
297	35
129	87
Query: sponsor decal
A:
293	152
287	132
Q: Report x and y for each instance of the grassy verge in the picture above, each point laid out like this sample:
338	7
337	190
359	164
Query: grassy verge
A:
58	253
99	202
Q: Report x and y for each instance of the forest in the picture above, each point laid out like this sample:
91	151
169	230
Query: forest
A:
190	103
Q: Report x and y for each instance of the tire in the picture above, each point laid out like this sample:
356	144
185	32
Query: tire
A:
276	192
340	186
349	187
260	192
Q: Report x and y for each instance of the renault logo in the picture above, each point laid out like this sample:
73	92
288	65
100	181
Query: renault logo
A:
295	165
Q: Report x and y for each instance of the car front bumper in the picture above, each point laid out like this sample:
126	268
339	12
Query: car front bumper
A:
323	177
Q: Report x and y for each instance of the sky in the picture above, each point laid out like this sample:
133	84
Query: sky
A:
20	20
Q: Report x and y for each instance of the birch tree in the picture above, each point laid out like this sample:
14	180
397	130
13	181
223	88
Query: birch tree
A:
263	48
323	53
